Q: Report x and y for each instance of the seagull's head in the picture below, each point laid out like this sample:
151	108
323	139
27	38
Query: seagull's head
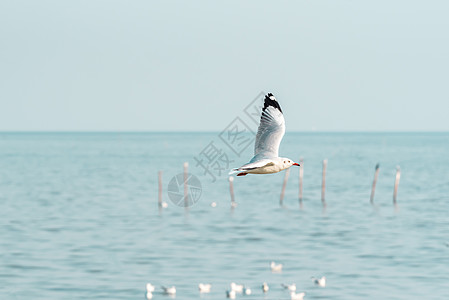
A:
287	162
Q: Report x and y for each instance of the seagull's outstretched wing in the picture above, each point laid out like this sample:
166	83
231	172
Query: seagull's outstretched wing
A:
271	129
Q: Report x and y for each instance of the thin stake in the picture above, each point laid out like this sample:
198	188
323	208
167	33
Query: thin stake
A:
160	189
396	184
231	190
301	175
287	173
323	185
186	191
373	188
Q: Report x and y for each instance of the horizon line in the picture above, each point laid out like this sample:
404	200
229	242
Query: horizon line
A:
218	131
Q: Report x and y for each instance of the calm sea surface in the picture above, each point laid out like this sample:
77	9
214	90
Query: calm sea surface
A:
79	217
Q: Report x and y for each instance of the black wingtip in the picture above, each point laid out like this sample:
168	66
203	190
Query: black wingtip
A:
270	100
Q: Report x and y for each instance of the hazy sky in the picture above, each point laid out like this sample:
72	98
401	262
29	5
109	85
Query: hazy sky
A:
194	65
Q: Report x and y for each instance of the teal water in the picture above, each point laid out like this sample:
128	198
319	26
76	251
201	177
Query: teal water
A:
79	218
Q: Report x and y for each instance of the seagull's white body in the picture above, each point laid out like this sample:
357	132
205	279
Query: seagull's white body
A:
275	267
230	294
169	290
320	281
204	288
298	296
271	130
236	287
265	287
290	287
150	287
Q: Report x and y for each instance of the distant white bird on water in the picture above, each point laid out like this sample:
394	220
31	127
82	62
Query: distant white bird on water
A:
204	287
247	290
275	267
266	158
265	287
290	287
320	281
236	287
230	294
298	296
169	290
150	287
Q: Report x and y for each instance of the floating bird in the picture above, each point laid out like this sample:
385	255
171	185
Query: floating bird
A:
298	296
150	287
230	294
320	281
164	204
275	267
290	287
237	287
247	290
169	290
265	287
149	295
268	138
213	204
204	288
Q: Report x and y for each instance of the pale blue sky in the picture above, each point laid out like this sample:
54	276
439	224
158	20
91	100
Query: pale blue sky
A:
194	65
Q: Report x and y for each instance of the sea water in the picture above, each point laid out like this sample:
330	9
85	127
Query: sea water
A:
79	217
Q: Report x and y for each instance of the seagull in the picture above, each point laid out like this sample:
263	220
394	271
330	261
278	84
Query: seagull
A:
268	138
247	290
169	290
265	287
150	287
236	287
204	288
275	267
320	281
290	287
230	294
298	296
149	295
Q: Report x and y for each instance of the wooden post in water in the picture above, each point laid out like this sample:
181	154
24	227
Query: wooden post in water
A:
186	190
231	190
159	201
287	173
301	175
396	184
323	185
373	188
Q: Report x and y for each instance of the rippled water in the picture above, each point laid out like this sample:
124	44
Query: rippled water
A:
79	218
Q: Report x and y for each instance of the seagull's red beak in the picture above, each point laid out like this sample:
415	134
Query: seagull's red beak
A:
296	164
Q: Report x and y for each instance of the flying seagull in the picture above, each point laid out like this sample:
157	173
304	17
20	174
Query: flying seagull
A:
268	138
